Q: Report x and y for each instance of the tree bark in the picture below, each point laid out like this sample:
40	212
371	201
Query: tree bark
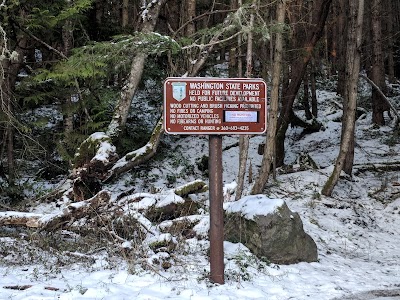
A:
299	66
306	97
378	90
68	115
125	14
378	70
73	211
191	14
314	100
10	64
269	152
390	45
121	112
353	55
340	58
245	139
138	156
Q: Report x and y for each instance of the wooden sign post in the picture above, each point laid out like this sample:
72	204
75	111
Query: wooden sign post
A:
215	106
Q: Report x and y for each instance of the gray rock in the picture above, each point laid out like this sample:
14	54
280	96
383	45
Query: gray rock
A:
269	229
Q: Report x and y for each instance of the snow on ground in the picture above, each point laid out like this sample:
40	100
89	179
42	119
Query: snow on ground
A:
356	230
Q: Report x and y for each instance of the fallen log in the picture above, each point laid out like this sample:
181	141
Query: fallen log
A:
78	210
138	156
15	218
18	287
375	167
194	187
73	211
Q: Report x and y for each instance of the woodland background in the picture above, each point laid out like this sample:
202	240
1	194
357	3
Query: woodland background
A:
87	59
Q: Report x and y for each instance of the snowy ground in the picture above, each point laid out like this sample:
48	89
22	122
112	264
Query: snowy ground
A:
356	230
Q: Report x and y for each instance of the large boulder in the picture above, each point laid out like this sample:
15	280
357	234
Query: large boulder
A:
269	229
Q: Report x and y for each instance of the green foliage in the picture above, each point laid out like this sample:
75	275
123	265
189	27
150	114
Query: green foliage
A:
247	265
40	16
76	8
44	16
202	164
88	149
89	75
280	27
240	20
14	193
103	60
263	32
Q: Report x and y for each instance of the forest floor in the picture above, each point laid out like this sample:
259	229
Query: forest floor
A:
356	230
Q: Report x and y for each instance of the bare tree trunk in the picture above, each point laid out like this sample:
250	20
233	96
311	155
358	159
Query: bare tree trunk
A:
10	145
10	64
314	100
235	52
6	107
307	76
188	15
244	139
377	72
285	73
232	70
140	155
7	111
354	41
341	49
390	47
269	152
68	116
299	66
191	14
125	13
306	97
121	112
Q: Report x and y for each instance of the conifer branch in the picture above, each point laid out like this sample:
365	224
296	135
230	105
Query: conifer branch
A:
201	16
59	53
202	46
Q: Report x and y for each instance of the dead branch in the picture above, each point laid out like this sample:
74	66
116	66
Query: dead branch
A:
17	287
201	16
309	126
138	156
382	95
212	43
74	211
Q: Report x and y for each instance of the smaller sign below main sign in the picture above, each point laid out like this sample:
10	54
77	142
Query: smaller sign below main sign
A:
196	105
241	116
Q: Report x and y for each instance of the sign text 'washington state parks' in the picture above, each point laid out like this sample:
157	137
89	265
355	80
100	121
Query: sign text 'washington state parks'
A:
215	106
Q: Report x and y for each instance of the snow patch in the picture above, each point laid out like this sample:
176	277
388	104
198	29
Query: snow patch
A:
254	205
164	200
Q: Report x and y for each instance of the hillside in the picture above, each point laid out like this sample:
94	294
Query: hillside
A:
356	230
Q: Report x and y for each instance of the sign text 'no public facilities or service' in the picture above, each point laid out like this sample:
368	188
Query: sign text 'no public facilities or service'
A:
195	105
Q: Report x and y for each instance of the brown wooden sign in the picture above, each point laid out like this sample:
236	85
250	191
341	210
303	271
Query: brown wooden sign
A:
195	105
